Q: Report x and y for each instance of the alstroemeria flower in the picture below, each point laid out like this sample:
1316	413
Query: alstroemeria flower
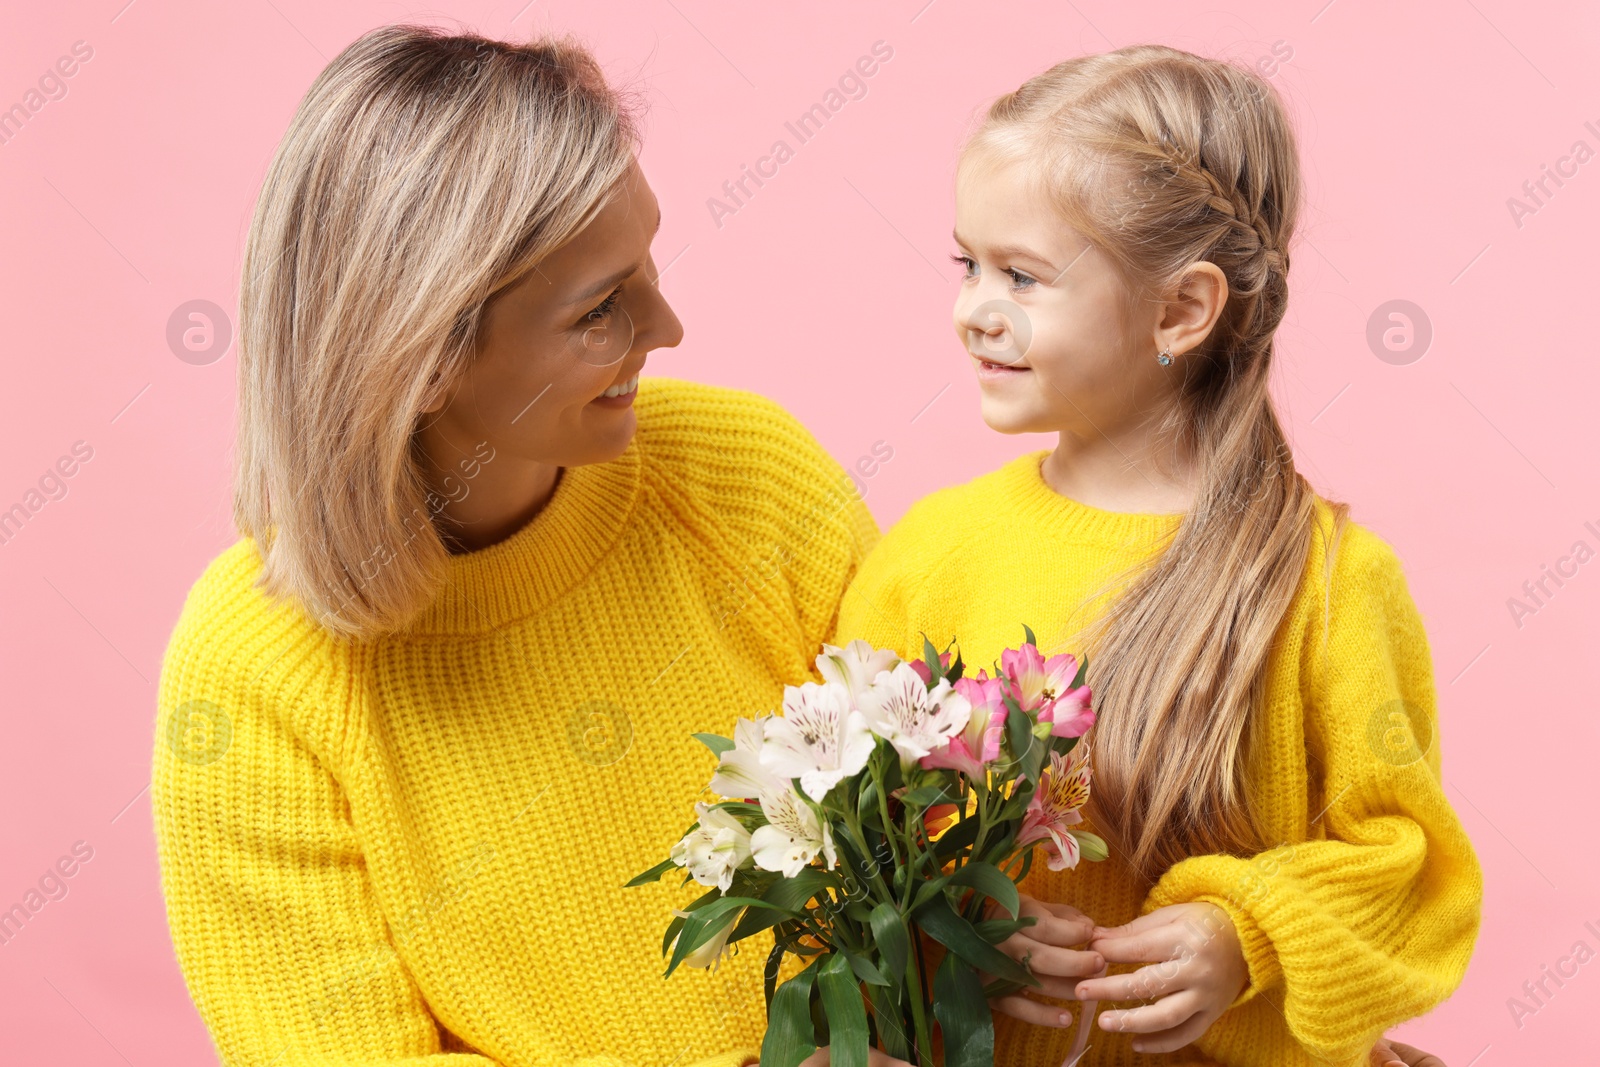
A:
740	772
1063	789
715	849
819	739
713	952
1043	688
979	741
793	836
855	666
916	720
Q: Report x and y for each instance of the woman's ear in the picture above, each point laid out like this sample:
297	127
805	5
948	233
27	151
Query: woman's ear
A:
435	397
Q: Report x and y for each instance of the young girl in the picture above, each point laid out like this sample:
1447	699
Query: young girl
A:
1286	878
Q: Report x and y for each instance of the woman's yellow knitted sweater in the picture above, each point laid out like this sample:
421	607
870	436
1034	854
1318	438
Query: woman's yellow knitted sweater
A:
1365	912
412	850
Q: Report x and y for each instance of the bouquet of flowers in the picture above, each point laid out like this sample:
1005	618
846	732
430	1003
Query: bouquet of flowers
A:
887	802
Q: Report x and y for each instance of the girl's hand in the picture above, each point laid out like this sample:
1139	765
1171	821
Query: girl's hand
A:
1197	970
1386	1053
875	1058
1045	949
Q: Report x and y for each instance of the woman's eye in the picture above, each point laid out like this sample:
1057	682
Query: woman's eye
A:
1019	280
603	309
965	262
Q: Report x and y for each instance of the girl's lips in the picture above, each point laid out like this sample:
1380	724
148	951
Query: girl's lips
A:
986	369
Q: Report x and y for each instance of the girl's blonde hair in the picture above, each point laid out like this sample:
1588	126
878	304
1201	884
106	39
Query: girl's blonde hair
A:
1162	159
421	174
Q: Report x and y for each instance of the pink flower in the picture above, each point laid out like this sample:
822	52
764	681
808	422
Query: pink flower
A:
1043	688
1063	789
979	742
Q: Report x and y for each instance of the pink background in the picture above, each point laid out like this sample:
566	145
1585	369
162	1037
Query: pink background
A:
830	290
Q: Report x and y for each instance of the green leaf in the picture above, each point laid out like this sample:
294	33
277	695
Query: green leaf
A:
894	945
963	1014
955	839
925	796
790	1033
847	1015
652	876
926	890
864	968
889	1022
677	922
957	668
1083	672
942	924
788	898
705	923
995	931
989	880
1029	634
769	975
930	656
715	742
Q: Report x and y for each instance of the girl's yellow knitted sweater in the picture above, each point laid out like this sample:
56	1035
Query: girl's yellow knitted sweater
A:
1365	912
412	850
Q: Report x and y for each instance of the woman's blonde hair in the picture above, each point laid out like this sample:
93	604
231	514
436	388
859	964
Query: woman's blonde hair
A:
1162	159
421	174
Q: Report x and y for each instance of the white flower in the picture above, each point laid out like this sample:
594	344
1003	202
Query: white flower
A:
715	849
740	772
855	666
792	837
819	738
916	720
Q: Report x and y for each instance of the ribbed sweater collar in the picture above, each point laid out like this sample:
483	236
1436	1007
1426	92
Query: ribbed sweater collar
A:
1035	503
515	578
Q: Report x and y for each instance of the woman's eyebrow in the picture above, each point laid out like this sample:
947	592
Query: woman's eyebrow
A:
611	280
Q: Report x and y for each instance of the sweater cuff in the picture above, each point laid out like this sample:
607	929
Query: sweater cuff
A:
1225	881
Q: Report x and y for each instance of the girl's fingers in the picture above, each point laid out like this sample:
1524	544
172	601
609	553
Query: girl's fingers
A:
1155	980
1032	1011
1172	1038
1145	946
1044	960
1135	926
1406	1055
1168	1013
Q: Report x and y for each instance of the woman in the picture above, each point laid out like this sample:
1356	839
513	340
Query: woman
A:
423	720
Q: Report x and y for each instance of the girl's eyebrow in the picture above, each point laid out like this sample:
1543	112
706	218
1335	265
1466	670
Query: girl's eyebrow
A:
1012	252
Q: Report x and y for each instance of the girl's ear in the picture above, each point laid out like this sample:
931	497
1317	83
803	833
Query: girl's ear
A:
1190	314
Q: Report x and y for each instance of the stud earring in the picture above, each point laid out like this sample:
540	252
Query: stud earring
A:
1165	357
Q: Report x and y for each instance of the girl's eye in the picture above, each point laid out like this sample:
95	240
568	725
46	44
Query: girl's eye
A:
1019	280
603	309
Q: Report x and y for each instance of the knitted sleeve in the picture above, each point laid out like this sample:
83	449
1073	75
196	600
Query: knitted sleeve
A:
1373	920
273	916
